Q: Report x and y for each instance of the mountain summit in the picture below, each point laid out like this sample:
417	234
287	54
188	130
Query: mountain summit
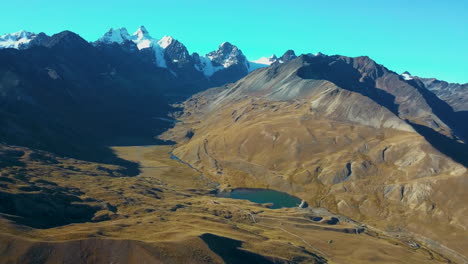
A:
226	64
141	33
21	40
227	55
118	36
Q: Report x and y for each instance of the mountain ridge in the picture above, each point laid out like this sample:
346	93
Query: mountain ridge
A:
121	35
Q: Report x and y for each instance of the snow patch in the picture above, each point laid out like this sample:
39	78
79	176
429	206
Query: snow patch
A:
407	76
206	66
165	41
16	40
159	53
266	61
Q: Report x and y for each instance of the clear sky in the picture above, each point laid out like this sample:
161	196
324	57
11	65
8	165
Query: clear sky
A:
428	38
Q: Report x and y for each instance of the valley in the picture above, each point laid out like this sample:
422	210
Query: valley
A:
169	213
131	149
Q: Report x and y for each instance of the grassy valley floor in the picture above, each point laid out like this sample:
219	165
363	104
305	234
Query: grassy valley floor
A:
168	214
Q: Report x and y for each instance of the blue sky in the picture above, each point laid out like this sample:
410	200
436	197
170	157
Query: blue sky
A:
426	38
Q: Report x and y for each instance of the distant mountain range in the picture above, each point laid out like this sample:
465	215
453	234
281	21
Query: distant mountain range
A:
227	64
63	94
62	78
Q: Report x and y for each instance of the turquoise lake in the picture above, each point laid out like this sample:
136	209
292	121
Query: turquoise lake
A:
278	199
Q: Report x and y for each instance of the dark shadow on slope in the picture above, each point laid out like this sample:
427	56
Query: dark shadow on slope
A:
455	150
74	99
462	122
47	209
455	120
141	131
346	77
37	132
10	157
229	250
349	78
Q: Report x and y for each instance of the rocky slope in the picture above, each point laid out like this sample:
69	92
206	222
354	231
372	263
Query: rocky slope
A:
344	133
455	94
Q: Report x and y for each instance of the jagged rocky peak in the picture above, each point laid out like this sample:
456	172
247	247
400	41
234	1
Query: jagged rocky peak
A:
227	55
287	56
119	35
175	52
227	47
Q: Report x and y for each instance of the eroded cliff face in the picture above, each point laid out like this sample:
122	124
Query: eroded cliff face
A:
350	144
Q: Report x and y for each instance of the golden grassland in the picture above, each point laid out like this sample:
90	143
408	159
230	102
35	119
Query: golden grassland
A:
167	214
390	179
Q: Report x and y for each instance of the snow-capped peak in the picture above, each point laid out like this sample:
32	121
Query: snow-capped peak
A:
266	61
142	33
142	38
119	35
16	40
407	76
169	52
227	55
287	56
21	34
165	41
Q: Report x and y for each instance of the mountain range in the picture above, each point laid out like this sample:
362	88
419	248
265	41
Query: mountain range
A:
343	133
227	64
71	85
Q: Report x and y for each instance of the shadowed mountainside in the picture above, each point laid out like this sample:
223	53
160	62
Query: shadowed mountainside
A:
67	96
